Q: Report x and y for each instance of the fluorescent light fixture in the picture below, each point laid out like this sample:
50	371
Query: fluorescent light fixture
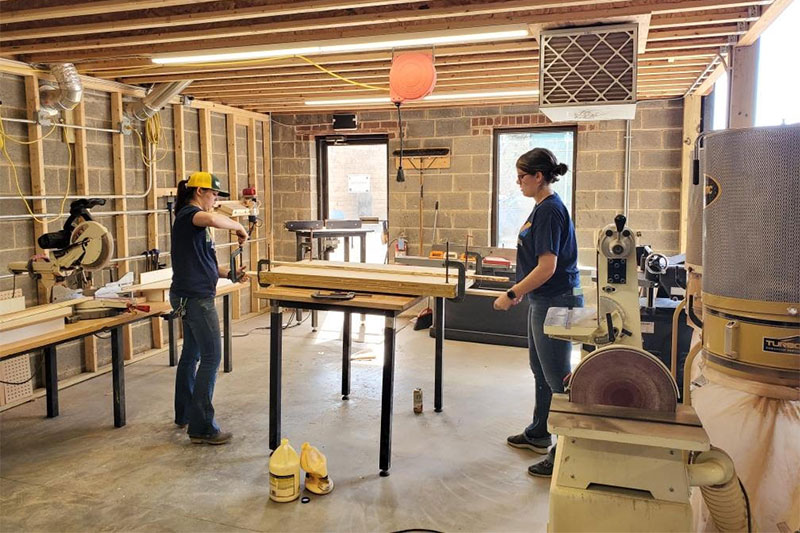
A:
430	97
361	44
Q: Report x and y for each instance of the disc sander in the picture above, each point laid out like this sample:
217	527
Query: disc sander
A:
411	77
624	377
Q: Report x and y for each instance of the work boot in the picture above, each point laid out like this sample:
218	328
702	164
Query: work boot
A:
220	437
543	468
539	445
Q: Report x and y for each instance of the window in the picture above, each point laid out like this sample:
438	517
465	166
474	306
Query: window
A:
777	81
509	207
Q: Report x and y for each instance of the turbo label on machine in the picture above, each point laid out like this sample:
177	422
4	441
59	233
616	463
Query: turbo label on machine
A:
790	345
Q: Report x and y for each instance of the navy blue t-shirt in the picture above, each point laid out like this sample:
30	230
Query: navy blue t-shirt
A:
549	229
194	261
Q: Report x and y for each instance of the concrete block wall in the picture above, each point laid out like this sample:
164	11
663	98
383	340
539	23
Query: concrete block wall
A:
464	189
17	237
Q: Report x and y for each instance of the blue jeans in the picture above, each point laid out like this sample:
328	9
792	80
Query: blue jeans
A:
549	358
194	384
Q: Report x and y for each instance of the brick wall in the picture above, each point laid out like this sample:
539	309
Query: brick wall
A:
464	190
17	237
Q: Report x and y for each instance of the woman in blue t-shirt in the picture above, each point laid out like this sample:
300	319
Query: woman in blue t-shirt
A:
547	272
194	285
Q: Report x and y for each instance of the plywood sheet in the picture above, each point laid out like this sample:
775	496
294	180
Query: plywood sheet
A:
363	277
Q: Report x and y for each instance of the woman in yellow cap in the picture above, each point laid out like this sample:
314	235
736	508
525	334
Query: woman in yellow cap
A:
194	284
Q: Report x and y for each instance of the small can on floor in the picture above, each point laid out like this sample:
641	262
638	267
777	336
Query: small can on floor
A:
418	401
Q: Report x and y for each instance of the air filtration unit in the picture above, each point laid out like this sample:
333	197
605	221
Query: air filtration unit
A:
588	73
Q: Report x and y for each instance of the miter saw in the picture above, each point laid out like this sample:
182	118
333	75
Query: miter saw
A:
627	452
82	244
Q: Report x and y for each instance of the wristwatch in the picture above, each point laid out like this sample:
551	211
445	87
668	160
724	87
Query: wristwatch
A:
511	294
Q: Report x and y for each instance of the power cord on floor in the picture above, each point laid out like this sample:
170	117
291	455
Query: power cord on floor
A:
288	325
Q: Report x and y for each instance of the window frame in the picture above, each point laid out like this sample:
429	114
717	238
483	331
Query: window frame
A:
496	167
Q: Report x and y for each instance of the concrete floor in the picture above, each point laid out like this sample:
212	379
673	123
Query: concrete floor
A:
451	471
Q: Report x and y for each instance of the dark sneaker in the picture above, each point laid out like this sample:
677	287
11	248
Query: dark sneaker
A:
220	437
181	426
539	445
543	468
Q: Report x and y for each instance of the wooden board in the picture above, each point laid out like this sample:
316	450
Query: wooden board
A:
80	329
41	327
155	275
385	279
435	271
35	313
12	305
386	302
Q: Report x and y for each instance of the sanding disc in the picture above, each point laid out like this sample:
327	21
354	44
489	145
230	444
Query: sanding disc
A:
411	77
625	377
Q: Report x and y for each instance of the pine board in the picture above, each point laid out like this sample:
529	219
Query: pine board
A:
361	277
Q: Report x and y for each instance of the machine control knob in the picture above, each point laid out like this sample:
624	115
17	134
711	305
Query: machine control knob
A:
619	221
609	233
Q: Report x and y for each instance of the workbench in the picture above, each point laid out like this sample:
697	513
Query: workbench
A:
158	292
385	291
78	330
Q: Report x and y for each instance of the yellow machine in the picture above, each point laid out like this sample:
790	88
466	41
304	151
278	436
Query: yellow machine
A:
627	452
616	319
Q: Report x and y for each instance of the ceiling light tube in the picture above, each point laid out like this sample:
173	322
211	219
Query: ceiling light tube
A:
361	44
431	97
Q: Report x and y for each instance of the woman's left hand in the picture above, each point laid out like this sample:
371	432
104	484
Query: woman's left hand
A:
503	303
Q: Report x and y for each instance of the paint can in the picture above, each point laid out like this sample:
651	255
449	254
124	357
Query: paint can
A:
417	401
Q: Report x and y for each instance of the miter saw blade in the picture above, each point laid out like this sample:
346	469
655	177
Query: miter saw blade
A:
99	246
623	376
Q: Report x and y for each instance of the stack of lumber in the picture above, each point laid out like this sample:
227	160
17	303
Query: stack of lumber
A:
36	320
363	277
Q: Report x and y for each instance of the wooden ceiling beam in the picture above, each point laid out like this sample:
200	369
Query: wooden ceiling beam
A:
180	19
311	29
702	18
767	17
712	42
694	32
341	27
82	9
349	64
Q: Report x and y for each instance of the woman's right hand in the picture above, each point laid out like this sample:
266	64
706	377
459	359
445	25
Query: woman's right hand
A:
241	234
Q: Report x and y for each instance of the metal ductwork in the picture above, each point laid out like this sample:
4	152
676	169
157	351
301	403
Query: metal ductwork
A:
65	96
157	98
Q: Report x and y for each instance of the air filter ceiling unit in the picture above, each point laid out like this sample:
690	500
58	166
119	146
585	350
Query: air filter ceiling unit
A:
588	73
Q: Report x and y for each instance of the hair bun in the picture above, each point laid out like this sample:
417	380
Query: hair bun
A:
560	169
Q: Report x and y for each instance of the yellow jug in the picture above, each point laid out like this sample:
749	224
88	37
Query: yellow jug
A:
284	473
316	466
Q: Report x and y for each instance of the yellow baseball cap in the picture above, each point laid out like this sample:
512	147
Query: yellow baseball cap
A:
207	180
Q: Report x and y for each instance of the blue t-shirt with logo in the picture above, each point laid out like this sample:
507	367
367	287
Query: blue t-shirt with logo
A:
549	229
194	260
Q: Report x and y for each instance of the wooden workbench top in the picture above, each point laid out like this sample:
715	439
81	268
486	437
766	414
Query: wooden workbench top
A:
383	302
363	277
81	329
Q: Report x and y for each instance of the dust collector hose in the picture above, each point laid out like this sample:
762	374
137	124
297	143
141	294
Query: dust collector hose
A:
724	494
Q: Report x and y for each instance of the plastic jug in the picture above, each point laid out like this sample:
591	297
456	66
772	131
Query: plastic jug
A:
316	466
284	473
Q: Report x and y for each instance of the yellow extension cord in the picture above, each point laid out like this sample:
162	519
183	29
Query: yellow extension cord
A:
4	138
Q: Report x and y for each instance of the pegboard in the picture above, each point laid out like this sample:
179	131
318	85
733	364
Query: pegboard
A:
16	370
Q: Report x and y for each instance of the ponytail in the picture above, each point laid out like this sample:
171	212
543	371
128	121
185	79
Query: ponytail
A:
544	161
185	194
